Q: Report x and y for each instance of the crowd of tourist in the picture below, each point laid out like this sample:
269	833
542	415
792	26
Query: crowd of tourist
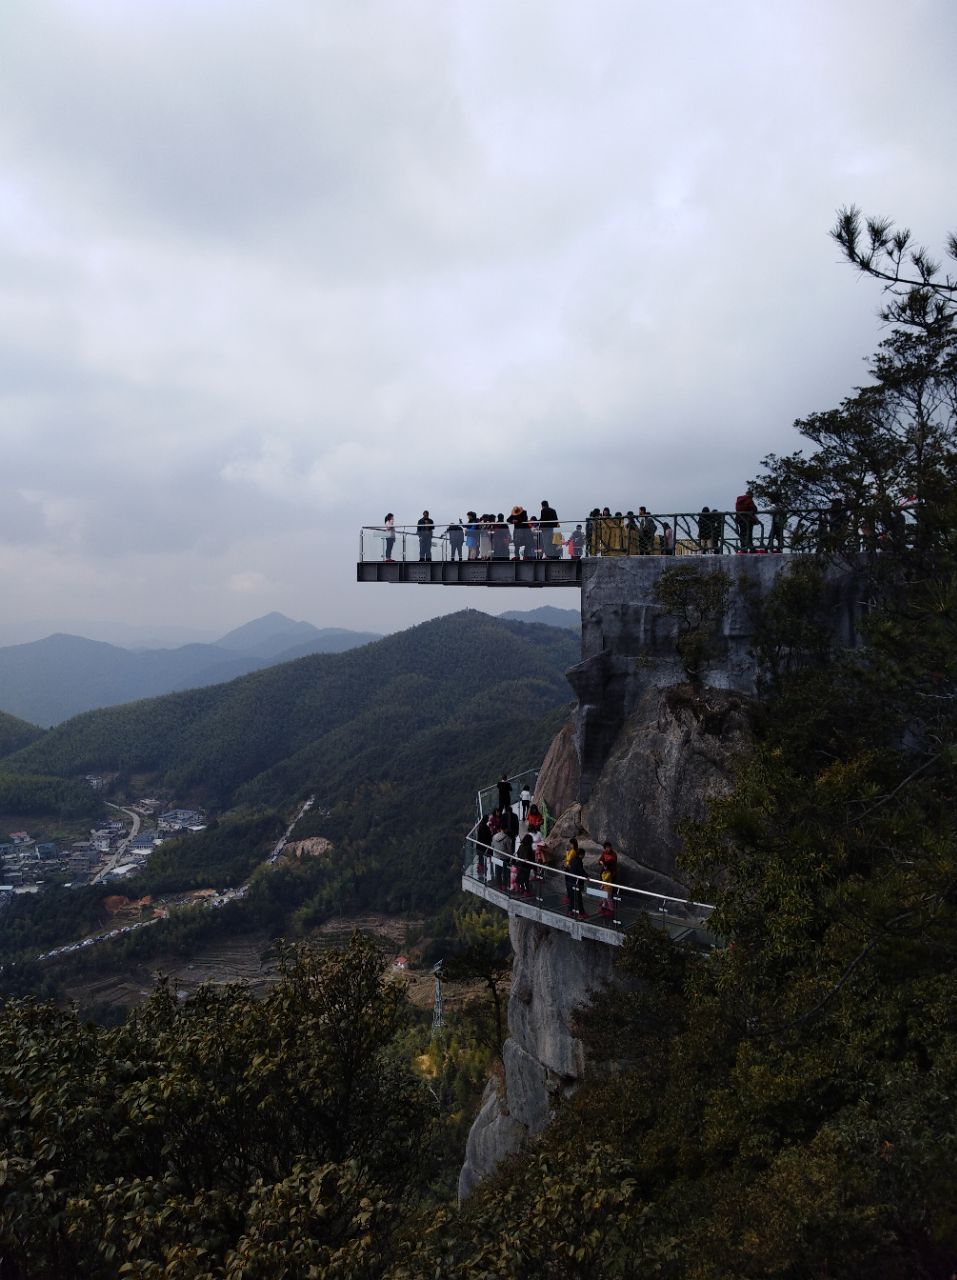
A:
508	858
521	536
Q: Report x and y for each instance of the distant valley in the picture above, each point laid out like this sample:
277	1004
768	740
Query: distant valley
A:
392	739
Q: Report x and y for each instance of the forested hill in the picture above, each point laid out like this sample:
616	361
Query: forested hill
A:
16	733
276	731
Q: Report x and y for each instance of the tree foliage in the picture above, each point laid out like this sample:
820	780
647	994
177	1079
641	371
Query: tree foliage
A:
221	1136
484	956
916	291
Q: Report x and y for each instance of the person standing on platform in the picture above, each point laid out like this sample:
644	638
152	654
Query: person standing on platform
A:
575	880
779	519
471	535
501	851
424	529
526	799
592	532
483	840
705	531
608	862
504	792
456	538
551	533
646	532
526	856
389	526
521	534
745	517
500	538
514	825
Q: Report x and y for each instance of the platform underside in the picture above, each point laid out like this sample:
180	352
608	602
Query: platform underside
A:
475	573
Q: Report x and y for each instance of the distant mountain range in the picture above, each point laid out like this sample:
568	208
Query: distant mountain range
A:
547	616
332	722
48	681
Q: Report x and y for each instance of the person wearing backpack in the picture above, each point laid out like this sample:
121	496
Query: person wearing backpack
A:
456	538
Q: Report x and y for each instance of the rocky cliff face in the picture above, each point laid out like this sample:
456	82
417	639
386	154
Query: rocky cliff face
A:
652	748
559	778
552	976
679	747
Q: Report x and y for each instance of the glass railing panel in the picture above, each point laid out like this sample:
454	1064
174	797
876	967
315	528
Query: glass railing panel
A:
811	530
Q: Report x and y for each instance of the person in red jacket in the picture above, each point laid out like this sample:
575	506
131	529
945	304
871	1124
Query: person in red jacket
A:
745	517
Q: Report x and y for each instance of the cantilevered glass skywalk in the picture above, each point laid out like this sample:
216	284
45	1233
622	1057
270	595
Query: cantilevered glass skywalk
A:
498	879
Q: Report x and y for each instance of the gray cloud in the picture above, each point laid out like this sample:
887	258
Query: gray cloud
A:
269	271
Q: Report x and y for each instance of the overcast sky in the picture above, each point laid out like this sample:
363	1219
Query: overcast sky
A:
272	269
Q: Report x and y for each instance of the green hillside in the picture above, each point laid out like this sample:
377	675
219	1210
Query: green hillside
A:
393	740
281	731
16	733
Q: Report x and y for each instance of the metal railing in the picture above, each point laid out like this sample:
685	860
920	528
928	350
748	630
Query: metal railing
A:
811	530
486	798
609	905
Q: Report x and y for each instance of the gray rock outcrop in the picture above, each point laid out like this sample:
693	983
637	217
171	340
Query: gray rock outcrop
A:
560	774
552	976
677	749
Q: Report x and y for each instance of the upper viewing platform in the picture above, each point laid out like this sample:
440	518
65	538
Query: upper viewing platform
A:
525	551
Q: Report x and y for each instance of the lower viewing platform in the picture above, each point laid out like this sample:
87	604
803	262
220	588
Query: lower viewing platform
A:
545	892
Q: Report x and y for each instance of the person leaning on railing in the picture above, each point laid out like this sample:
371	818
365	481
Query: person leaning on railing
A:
576	543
